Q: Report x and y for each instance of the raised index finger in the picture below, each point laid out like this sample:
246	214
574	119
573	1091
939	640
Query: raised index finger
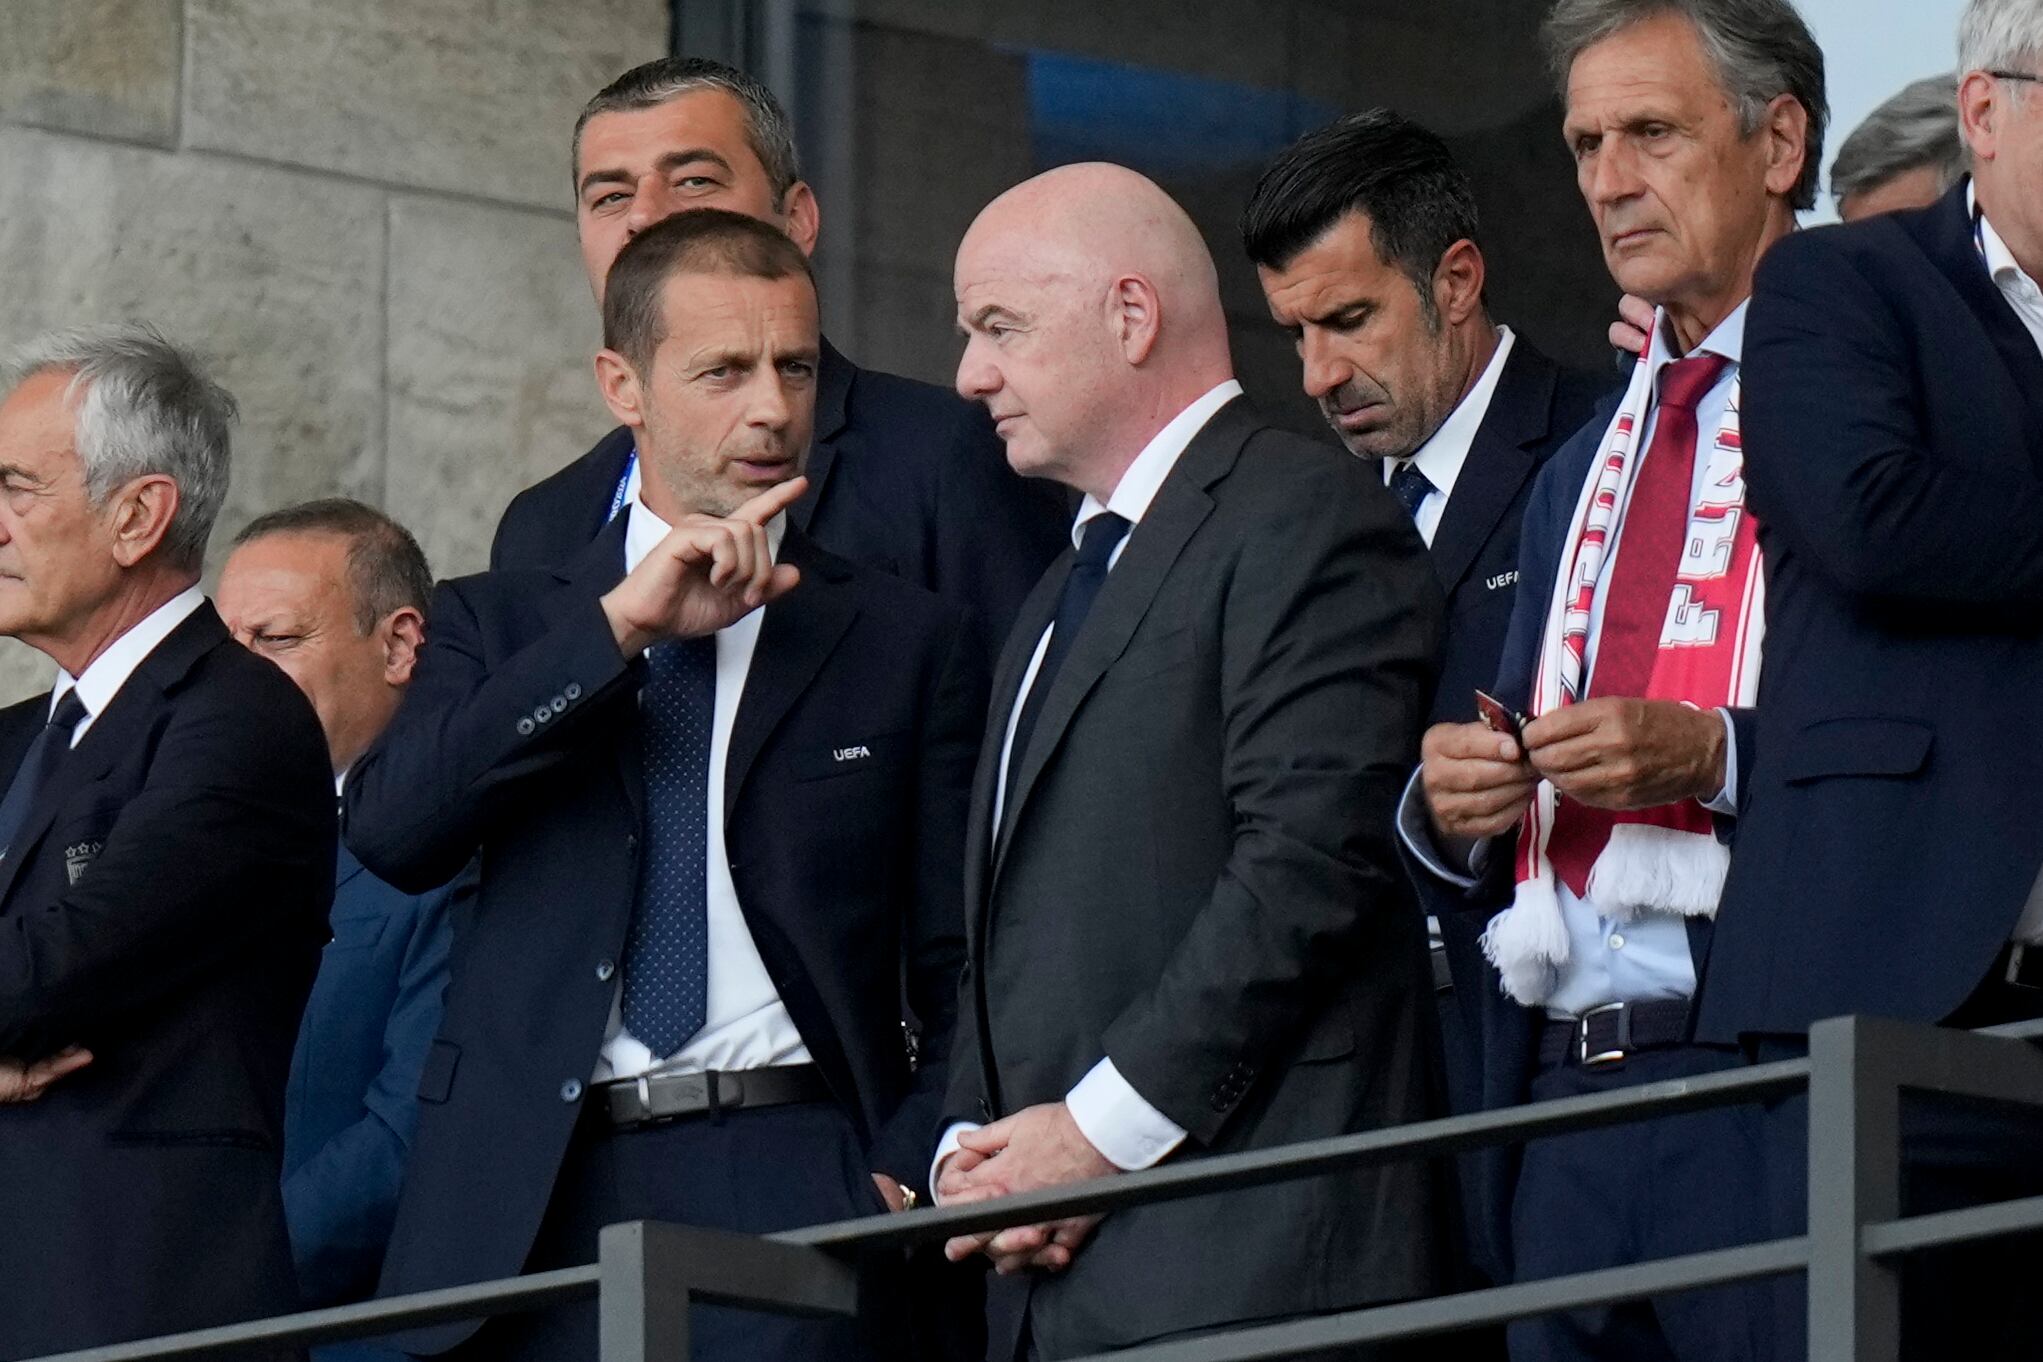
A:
772	501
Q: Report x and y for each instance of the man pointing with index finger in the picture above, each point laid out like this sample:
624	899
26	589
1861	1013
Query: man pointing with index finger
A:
718	780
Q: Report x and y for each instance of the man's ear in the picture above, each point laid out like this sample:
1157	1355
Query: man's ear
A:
619	384
141	513
1458	282
1787	144
1979	114
402	633
804	217
1136	315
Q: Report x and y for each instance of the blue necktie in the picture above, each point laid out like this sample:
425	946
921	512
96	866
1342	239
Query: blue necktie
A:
1088	573
1410	487
666	955
38	765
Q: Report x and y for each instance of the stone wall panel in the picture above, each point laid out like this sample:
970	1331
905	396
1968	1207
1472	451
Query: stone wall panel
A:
105	67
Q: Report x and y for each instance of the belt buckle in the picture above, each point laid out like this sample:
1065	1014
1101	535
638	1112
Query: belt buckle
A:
2018	961
1601	1057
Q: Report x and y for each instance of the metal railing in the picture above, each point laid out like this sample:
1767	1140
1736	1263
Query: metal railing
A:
1855	1073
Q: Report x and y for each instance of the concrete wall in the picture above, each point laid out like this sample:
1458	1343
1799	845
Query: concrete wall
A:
358	211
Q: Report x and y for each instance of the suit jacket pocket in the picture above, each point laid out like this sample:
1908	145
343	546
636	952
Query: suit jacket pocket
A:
356	933
436	1076
851	757
1151	656
226	1138
1857	747
1332	1037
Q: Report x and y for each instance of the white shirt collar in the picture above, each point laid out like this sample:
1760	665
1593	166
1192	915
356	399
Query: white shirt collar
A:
1446	450
644	531
108	672
2007	271
1138	486
1728	340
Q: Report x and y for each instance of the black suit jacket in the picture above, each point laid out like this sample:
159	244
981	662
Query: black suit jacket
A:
903	477
846	869
163	907
1195	877
1893	823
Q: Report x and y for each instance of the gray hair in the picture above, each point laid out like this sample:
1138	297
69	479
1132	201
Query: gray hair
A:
1915	129
661	81
1761	50
1999	35
144	407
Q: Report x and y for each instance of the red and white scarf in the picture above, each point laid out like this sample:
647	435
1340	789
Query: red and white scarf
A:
1664	859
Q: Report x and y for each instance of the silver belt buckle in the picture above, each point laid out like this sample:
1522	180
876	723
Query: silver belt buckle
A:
1624	1036
2018	953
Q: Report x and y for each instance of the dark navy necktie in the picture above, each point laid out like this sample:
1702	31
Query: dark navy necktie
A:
1411	488
38	765
1088	573
666	956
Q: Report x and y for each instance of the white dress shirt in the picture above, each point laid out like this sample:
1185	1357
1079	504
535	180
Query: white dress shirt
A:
746	1025
1443	454
1128	1132
1610	959
106	674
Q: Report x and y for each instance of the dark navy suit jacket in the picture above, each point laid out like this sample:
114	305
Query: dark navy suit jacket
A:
846	785
1893	821
352	1103
904	477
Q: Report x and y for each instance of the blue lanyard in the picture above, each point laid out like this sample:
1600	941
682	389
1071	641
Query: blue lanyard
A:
623	483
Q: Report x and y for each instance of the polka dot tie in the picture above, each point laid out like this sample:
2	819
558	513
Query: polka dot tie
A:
666	955
1411	488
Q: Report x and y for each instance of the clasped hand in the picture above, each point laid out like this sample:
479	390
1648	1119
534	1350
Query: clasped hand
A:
22	1081
1035	1148
1611	752
709	572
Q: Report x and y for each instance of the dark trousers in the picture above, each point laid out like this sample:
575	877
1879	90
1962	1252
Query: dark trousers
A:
1628	1193
754	1172
1980	1302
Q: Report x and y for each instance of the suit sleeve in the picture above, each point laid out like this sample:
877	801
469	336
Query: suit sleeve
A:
995	531
1835	462
229	842
1330	629
936	934
340	1203
469	733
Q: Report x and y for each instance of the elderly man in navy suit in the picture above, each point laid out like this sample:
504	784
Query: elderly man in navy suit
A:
335	593
1893	840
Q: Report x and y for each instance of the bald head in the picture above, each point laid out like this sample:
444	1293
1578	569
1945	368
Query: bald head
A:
1092	316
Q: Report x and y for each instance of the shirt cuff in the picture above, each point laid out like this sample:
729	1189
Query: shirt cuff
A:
946	1147
1415	830
1128	1132
1726	800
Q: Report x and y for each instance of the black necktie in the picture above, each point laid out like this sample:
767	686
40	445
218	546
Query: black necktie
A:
666	955
1410	487
1088	573
45	755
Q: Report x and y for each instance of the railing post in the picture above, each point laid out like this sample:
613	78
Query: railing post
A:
648	1273
1854	1178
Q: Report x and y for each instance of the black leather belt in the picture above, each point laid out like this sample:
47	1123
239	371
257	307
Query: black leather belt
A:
653	1098
1605	1035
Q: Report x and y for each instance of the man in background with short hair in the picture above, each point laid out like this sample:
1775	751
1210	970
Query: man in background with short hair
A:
335	593
1905	154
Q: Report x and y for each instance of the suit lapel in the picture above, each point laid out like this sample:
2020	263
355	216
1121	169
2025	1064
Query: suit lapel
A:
1153	547
834	375
345	867
1036	613
1944	232
1499	461
117	729
796	636
592	572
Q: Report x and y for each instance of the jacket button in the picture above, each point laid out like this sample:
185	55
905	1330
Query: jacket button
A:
604	970
559	705
572	691
525	727
542	714
571	1091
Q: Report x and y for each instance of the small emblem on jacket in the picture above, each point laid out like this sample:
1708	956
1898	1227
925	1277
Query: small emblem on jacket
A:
858	753
1501	579
78	857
